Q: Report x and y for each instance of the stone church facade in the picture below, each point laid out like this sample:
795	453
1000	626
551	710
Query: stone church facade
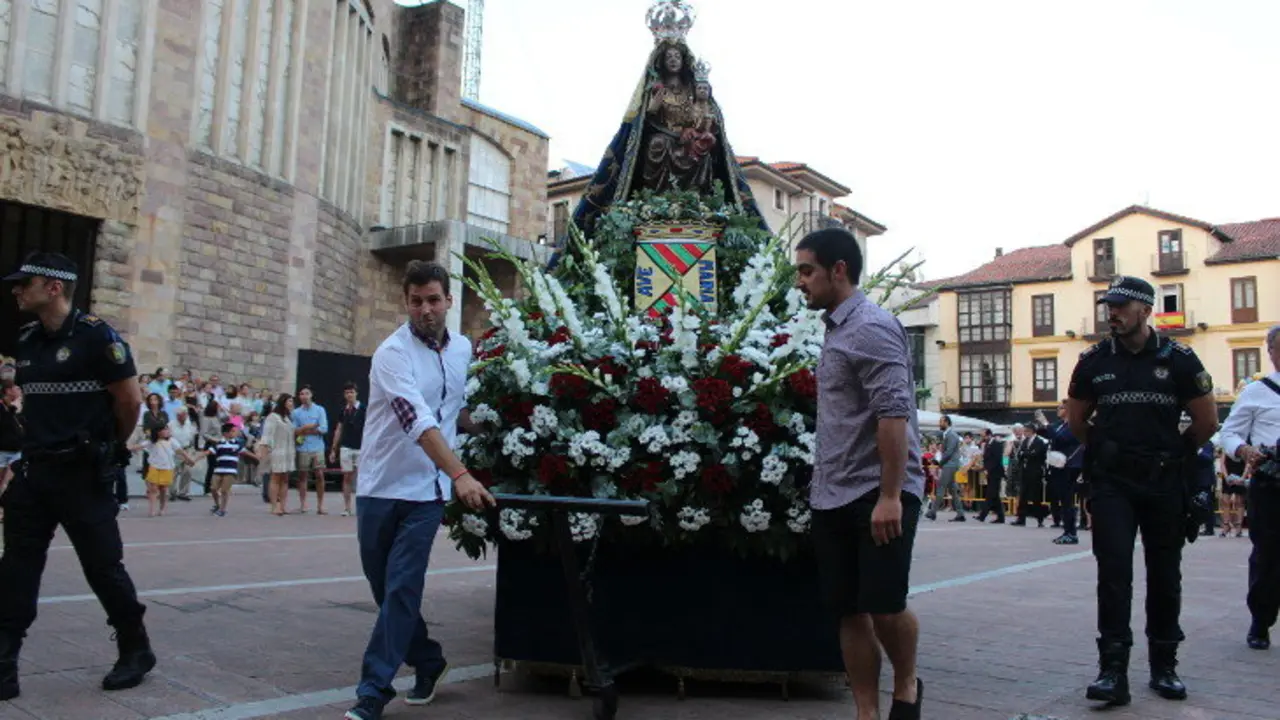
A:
241	180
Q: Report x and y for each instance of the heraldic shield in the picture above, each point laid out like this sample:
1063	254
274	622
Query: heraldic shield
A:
675	262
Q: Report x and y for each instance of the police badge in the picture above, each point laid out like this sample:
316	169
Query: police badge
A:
1204	381
1162	373
62	354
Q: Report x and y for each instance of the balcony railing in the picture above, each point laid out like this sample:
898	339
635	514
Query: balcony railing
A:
1103	270
1169	263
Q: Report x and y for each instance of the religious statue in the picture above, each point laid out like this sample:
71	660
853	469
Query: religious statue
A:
672	135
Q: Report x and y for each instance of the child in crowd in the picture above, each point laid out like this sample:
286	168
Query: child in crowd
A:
226	467
162	461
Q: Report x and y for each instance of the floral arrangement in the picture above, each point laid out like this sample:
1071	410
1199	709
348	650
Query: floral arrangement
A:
709	418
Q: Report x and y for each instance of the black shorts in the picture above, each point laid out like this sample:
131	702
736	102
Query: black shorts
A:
858	576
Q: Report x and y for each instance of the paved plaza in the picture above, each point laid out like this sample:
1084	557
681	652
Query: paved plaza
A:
255	616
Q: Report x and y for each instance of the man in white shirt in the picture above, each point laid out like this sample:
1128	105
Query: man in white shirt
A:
183	431
1254	423
408	471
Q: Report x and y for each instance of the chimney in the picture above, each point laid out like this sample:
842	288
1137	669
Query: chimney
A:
429	61
999	252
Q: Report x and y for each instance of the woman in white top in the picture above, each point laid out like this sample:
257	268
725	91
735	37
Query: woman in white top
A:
278	439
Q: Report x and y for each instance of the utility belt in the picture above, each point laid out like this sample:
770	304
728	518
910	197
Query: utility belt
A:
1108	458
101	458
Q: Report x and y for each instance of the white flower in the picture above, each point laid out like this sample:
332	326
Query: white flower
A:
583	526
807	440
473	386
568	310
754	518
521	370
692	519
746	439
737	392
515	445
684	463
774	469
475	525
798	518
655	439
633	520
544	421
675	383
484	414
516	524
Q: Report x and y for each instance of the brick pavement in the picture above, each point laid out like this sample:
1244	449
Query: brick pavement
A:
253	615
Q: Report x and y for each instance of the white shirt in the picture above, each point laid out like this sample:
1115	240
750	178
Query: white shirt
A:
161	452
412	388
183	434
1254	418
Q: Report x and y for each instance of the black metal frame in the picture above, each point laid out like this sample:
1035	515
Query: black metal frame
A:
599	674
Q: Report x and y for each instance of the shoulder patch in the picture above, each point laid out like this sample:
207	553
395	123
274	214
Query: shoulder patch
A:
91	320
1184	349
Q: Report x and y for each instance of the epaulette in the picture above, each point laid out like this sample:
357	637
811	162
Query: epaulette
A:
91	320
1184	349
1092	349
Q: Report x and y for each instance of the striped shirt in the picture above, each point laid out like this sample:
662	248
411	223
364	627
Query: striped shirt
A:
226	457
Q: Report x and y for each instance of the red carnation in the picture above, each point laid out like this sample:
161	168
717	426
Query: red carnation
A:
569	387
714	397
648	346
735	368
804	383
516	411
489	333
651	397
760	421
643	477
602	416
555	474
607	366
497	351
535	316
780	339
716	480
560	336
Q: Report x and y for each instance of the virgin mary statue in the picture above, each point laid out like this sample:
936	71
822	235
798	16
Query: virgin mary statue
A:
672	136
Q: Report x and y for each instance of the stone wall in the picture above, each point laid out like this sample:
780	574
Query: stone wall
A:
232	312
339	246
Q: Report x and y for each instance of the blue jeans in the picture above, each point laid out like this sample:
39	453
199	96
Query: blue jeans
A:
395	544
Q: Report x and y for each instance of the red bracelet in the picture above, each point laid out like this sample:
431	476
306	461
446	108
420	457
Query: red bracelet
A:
460	474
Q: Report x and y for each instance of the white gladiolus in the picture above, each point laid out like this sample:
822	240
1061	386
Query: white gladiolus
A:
520	368
568	310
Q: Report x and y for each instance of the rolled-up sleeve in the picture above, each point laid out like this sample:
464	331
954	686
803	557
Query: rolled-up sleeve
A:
391	373
1239	424
882	364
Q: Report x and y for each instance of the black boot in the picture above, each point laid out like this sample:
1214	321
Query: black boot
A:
136	659
1112	685
1164	680
9	647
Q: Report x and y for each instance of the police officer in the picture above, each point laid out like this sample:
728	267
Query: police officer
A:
81	404
1135	386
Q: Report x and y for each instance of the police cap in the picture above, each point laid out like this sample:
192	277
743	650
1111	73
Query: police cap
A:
1126	288
45	264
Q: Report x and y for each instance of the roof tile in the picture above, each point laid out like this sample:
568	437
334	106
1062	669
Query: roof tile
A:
1033	264
1257	240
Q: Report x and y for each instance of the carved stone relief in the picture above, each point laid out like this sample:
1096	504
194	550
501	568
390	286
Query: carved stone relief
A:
54	165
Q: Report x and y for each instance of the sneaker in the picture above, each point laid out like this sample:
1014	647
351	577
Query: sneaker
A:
124	507
221	513
213	510
366	708
424	690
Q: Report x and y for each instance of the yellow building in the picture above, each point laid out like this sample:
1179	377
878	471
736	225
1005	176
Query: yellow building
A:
1010	331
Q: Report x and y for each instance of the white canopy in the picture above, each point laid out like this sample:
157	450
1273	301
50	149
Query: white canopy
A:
962	424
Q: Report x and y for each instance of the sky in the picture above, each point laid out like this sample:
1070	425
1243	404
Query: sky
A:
961	126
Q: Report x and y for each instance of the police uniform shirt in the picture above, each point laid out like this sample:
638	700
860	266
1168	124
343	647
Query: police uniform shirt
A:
64	377
1139	397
